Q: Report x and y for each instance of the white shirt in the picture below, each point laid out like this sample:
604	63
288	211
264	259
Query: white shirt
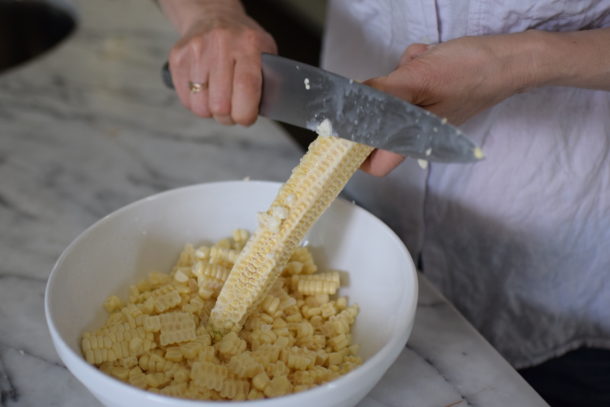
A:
521	241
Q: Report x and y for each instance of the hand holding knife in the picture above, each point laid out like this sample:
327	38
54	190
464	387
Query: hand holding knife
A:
306	96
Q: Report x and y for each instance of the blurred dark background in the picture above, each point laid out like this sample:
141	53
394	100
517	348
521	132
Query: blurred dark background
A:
29	28
297	27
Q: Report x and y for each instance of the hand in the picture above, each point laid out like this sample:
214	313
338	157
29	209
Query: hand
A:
455	80
220	53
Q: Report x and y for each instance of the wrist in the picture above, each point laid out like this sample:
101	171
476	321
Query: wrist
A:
547	66
578	59
531	60
185	13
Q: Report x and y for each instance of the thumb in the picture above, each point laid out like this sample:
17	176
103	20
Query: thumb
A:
379	83
393	85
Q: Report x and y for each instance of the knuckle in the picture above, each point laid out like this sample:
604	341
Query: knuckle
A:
219	36
251	37
220	106
201	111
249	81
257	41
176	56
416	48
196	45
244	118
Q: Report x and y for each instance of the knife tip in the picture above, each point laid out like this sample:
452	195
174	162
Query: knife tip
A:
478	153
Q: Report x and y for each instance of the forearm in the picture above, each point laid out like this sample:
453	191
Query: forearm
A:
578	59
182	12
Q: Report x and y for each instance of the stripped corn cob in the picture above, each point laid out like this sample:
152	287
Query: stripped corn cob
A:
313	185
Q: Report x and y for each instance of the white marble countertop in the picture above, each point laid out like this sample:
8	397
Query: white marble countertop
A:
88	128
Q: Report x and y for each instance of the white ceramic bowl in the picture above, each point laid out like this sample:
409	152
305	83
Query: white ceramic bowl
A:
123	247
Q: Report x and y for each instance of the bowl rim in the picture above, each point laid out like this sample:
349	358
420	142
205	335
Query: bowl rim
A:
404	325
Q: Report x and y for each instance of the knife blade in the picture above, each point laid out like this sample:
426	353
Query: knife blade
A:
306	96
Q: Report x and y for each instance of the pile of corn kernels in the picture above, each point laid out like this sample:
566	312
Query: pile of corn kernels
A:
298	337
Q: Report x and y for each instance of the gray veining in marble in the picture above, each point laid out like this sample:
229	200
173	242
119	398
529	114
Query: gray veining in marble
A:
88	128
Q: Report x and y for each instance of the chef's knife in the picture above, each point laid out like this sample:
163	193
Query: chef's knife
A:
306	96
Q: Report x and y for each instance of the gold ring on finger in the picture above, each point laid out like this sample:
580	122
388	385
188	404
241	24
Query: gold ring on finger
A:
196	87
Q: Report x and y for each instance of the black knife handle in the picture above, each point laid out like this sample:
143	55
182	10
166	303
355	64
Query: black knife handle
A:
166	76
